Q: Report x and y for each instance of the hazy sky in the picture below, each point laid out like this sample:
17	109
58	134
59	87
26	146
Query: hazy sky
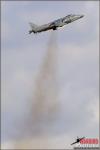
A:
77	71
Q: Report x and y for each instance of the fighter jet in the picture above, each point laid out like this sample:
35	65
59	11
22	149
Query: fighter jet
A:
55	24
78	140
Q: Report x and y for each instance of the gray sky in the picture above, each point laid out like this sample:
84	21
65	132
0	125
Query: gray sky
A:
77	47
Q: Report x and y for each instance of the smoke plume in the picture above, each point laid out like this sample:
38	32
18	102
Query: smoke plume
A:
45	106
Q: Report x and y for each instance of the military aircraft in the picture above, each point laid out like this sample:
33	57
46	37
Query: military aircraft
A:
78	140
55	24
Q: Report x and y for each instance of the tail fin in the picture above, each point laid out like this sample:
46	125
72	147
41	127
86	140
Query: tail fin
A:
33	26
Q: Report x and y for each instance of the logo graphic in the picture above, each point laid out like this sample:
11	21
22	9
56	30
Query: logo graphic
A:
83	143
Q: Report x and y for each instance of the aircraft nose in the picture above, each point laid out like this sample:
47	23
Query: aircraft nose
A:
81	16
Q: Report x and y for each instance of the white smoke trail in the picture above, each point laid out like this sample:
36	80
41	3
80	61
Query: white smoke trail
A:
45	96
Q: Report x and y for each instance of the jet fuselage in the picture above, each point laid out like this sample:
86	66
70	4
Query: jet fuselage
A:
55	24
